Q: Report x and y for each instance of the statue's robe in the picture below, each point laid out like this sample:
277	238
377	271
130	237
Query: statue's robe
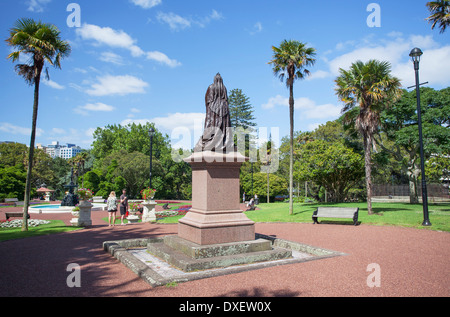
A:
217	135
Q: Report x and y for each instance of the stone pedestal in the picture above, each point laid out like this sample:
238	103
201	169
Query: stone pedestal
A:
133	219
149	213
84	219
215	216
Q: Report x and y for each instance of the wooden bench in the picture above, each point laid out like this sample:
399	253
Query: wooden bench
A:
15	214
336	212
15	201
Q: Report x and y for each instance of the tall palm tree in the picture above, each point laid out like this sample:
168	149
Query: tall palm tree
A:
40	42
290	61
369	87
440	14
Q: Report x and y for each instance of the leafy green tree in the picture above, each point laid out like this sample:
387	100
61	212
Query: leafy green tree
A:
42	43
368	87
114	142
440	14
241	111
399	124
12	181
278	185
289	61
92	181
330	164
12	154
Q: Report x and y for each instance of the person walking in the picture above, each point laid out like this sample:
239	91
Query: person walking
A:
111	204
123	205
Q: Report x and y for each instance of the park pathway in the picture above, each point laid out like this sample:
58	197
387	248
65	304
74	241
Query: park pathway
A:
412	262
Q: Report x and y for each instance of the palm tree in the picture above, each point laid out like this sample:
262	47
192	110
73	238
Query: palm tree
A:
41	43
289	60
440	14
370	87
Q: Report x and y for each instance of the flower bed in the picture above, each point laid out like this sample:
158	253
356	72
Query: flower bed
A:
180	211
17	223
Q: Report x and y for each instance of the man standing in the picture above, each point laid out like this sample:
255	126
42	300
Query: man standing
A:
123	205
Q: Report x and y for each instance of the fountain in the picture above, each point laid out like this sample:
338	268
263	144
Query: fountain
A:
70	199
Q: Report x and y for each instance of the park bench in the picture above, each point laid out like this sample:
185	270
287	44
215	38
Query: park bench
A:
15	201
15	214
336	212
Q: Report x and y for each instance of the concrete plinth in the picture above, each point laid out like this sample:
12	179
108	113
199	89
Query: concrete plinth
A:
189	256
149	213
215	216
84	219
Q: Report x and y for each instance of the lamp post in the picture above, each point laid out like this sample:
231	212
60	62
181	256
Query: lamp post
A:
151	133
415	56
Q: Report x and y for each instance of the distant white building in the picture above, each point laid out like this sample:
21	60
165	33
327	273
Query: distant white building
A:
66	151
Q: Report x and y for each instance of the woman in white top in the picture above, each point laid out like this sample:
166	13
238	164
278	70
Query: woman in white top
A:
112	208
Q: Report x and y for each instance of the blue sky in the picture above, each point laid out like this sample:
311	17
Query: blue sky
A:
152	60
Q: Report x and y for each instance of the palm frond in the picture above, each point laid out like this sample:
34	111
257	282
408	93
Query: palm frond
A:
39	40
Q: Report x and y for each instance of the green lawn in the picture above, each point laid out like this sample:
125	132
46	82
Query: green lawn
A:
55	226
391	214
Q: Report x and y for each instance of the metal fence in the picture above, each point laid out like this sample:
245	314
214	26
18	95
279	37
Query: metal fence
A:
433	190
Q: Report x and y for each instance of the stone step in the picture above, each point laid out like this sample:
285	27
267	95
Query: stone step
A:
189	264
198	251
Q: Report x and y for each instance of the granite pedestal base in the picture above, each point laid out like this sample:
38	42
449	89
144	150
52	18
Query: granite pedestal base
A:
189	256
215	216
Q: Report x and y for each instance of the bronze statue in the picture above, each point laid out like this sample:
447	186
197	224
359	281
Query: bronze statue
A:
217	135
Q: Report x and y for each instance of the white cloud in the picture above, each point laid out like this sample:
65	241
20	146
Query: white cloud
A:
177	22
163	59
276	101
117	85
120	39
36	5
434	66
135	110
256	28
319	74
184	129
307	107
110	57
173	120
174	21
106	35
95	107
13	129
146	4
52	84
58	131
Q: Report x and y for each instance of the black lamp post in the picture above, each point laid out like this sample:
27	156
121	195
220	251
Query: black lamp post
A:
415	56
151	132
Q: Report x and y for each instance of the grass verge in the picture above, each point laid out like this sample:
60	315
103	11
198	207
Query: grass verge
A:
55	226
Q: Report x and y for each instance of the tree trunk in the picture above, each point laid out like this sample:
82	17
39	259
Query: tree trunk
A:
26	198
368	167
291	150
413	173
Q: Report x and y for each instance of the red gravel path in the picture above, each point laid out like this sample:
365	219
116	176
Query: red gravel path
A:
413	262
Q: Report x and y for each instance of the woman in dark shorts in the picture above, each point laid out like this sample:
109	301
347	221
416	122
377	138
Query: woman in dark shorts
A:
123	205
